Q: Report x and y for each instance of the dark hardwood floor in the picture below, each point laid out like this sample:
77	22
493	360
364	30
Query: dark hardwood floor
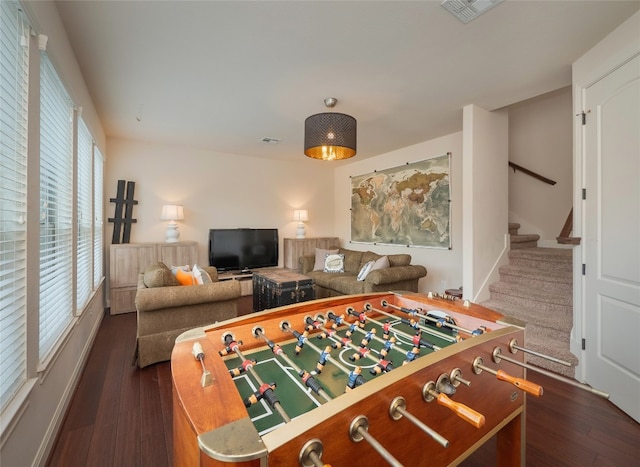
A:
122	416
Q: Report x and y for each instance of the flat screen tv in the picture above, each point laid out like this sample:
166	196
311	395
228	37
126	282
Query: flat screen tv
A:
243	249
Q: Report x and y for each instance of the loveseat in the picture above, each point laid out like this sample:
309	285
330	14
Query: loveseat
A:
399	273
165	309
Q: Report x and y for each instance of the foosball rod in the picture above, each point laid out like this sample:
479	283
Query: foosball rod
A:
276	404
287	328
520	383
398	409
198	352
358	430
429	318
498	355
433	332
333	317
406	335
348	343
513	346
307	378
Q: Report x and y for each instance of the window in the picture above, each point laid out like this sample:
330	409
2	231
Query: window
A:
98	177
14	59
84	251
56	208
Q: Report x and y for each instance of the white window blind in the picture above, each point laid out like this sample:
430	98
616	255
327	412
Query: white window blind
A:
56	191
84	249
98	177
14	59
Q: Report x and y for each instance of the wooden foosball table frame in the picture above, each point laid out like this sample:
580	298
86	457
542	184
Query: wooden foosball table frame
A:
212	427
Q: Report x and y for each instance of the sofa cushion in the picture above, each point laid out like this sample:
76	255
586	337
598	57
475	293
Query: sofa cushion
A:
362	275
352	261
381	263
185	278
159	275
343	283
321	255
399	260
201	275
334	263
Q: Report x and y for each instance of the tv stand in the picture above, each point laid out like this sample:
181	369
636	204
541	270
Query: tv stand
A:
244	277
243	272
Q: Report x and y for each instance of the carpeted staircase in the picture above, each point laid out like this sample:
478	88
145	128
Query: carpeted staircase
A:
536	287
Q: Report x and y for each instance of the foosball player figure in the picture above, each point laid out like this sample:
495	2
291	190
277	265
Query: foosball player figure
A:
343	342
327	334
361	353
350	330
264	392
477	332
388	345
246	364
355	379
324	356
410	322
386	329
381	366
367	338
418	341
230	347
411	355
302	338
339	320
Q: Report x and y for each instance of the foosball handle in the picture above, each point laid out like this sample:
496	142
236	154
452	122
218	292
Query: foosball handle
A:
527	386
461	410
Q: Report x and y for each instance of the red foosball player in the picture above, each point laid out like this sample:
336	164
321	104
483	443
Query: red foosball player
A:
361	353
386	329
381	366
246	364
264	392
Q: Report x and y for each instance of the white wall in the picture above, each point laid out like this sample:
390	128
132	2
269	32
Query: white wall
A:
540	140
485	198
30	423
217	191
442	265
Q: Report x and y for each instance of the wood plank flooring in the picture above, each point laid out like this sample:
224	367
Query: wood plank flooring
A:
122	416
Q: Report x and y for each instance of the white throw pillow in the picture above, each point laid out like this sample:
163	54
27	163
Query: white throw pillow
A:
362	275
381	263
201	276
320	257
334	263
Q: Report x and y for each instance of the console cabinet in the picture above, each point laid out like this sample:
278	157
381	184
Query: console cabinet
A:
296	247
127	260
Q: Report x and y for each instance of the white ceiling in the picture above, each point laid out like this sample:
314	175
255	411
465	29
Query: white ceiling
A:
225	74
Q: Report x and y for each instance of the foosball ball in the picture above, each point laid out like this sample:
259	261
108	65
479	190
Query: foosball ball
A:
408	379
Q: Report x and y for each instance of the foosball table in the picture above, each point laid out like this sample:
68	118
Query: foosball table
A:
407	379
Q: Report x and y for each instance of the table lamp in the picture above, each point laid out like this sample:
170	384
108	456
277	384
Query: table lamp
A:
300	215
172	213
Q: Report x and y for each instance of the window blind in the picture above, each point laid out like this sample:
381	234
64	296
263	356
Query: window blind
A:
14	59
84	248
56	191
98	177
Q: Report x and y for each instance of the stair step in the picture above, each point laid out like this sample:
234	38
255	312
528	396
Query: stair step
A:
549	281
547	259
539	298
553	321
513	228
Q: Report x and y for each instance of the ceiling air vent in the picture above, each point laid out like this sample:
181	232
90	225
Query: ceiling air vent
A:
270	140
466	10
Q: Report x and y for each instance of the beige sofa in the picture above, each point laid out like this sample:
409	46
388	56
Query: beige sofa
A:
401	275
165	310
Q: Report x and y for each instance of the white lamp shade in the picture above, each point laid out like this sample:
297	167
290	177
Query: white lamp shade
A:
300	215
172	212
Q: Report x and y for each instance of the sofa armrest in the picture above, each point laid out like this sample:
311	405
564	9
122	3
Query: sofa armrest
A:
158	298
307	263
396	274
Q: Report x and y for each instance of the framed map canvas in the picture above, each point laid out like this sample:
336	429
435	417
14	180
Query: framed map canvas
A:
407	205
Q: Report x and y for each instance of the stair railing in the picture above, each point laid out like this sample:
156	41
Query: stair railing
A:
564	237
531	173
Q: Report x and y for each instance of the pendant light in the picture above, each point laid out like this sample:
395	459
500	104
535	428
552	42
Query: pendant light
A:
330	135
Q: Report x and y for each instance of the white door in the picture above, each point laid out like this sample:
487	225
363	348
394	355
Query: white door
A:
612	236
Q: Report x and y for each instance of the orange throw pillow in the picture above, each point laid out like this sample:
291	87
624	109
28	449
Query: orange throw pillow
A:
185	278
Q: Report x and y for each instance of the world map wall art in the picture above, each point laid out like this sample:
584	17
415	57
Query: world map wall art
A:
407	205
